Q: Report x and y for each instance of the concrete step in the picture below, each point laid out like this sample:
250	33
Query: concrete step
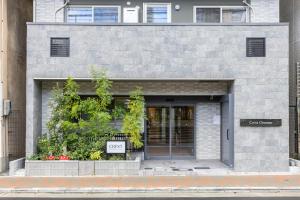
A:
20	172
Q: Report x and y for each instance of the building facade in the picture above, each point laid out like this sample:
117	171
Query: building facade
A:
214	73
289	12
13	78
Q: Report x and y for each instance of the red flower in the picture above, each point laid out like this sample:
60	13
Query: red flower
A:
64	158
51	158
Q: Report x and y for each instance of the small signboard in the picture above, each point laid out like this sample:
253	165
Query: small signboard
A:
260	122
116	147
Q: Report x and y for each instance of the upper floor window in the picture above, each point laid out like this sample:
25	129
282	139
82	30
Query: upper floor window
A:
236	14
107	14
79	14
157	13
208	15
90	14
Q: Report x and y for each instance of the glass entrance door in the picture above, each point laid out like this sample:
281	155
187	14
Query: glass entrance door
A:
158	132
182	132
170	132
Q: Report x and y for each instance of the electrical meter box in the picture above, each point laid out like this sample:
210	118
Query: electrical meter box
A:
131	15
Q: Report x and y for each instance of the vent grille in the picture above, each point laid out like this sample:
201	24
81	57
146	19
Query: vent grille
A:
60	47
256	47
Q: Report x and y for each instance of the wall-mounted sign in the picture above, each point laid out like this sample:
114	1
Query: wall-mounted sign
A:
260	122
116	147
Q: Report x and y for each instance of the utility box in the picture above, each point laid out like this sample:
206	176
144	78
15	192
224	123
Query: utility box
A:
131	15
6	107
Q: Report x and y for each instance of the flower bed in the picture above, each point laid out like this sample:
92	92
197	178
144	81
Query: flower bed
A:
82	168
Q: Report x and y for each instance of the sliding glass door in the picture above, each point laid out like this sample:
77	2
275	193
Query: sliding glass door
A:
170	132
158	132
182	132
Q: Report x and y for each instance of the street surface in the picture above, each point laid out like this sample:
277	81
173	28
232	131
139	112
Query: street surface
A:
181	198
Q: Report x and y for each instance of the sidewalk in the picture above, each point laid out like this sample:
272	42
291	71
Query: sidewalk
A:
197	184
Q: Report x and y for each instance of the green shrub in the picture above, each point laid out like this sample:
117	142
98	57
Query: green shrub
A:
79	128
116	157
97	155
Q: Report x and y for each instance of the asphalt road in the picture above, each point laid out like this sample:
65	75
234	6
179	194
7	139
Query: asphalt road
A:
180	198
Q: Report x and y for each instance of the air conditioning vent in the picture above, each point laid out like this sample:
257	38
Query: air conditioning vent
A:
60	47
256	47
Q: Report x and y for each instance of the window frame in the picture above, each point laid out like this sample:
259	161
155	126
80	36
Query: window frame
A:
169	11
78	6
93	11
221	13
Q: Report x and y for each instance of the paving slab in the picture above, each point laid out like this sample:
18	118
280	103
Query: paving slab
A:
151	184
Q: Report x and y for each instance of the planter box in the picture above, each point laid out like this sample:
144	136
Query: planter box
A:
51	168
86	168
118	167
82	168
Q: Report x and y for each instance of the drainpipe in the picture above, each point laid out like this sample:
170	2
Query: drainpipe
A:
66	3
251	7
34	11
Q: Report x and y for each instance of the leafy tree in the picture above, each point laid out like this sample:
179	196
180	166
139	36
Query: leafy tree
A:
64	115
134	118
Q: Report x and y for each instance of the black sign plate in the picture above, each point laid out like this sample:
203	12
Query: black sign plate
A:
260	122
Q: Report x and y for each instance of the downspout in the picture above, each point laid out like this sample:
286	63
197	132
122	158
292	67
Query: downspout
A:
34	11
251	7
66	3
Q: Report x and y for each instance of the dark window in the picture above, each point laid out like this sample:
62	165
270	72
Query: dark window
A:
60	47
256	47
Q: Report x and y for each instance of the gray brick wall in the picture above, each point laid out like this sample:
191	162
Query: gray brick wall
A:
265	11
45	11
207	131
183	52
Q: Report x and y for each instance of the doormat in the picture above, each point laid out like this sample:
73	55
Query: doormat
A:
181	169
201	167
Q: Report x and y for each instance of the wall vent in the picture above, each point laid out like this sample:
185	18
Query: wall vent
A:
256	47
60	47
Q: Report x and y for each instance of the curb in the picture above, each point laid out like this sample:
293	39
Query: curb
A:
151	190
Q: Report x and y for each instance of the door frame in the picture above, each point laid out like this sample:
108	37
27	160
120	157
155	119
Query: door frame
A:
170	105
229	99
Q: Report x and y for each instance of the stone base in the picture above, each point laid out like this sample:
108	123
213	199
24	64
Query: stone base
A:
82	168
15	165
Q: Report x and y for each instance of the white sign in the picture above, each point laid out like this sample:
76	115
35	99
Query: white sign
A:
116	147
216	120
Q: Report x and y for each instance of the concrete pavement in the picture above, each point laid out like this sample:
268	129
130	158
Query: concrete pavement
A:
157	198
